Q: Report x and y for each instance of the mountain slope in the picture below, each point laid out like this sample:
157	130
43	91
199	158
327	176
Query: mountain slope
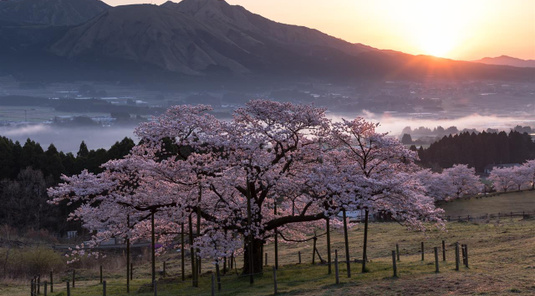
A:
50	12
198	36
507	61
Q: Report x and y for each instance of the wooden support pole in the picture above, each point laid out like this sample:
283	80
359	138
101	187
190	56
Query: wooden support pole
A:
397	251
443	250
73	277
274	281
423	251
218	277
68	289
336	271
394	266
466	253
51	282
364	247
213	285
45	288
314	250
103	288
101	273
346	240
182	252
127	258
457	256
192	254
328	226
276	239
436	260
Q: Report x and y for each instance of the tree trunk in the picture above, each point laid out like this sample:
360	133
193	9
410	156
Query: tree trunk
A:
256	257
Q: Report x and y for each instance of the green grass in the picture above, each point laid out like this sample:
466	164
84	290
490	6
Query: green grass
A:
504	203
501	257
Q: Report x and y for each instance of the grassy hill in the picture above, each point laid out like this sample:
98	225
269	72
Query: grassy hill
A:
501	262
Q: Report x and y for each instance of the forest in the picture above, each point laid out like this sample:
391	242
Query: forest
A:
478	150
26	171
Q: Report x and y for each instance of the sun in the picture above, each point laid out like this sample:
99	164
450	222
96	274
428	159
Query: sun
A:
436	40
435	28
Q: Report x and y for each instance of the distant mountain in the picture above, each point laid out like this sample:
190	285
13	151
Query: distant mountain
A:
202	39
196	37
50	12
507	61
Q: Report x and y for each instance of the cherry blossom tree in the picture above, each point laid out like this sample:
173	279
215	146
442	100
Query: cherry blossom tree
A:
503	179
273	167
529	167
379	175
455	182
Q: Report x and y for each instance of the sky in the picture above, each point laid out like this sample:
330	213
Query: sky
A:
456	29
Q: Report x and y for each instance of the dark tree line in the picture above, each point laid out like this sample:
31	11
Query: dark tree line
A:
26	171
478	150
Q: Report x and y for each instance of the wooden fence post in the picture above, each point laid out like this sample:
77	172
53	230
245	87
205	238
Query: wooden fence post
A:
336	271
101	274
457	256
51	282
397	251
45	288
422	247
436	260
73	277
395	268
68	289
155	285
32	287
103	288
274	281
38	284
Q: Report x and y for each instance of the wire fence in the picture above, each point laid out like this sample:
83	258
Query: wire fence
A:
270	281
494	216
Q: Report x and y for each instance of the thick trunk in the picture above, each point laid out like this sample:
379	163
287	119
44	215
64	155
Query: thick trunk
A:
256	257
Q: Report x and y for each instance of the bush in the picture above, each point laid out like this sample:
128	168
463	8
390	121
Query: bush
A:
30	261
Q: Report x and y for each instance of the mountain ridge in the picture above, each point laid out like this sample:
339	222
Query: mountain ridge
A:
211	38
505	60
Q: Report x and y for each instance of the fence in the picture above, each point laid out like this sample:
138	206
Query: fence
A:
467	218
231	281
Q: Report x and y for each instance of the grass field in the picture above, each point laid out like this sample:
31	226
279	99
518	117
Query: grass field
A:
504	203
501	262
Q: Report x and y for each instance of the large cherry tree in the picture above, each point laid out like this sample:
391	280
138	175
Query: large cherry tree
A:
274	166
